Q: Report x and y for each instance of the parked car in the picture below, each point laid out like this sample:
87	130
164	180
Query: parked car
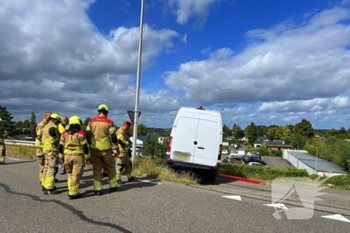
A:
250	159
253	154
224	152
233	160
255	164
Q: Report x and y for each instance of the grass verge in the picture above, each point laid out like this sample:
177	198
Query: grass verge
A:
25	152
147	167
269	174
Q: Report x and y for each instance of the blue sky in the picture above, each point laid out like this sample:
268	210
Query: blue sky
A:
271	62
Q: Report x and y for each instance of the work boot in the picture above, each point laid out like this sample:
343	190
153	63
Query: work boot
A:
120	182
113	190
56	180
98	193
133	178
43	188
74	197
51	191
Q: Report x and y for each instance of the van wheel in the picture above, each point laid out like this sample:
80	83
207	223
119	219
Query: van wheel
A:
208	177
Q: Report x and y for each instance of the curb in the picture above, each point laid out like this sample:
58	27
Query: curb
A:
242	179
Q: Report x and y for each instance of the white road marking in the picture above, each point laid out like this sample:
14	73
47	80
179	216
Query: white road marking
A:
234	197
148	181
338	217
277	205
14	159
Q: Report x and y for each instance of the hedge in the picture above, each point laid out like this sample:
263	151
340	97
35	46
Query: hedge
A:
260	172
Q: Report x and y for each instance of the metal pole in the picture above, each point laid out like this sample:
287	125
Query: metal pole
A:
316	157
296	143
137	85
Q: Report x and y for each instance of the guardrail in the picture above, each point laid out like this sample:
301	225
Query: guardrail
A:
19	142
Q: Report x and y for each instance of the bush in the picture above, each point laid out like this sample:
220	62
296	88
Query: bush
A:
276	153
152	147
341	181
260	172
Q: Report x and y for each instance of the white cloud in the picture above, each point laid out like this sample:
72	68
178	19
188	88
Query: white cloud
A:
288	68
53	56
185	9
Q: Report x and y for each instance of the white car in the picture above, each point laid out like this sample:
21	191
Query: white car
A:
224	152
255	164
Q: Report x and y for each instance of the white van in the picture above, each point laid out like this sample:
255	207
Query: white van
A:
196	142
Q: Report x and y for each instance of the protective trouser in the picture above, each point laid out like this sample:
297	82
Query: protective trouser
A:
75	166
102	159
124	163
2	152
51	162
40	158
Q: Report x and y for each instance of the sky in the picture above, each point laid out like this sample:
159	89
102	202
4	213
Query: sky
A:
269	62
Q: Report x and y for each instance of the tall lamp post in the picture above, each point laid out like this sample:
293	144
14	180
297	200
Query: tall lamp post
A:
316	156
136	113
296	143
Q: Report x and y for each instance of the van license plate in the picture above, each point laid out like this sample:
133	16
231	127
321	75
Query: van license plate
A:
182	156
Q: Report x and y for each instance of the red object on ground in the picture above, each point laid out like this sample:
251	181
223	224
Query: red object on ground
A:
242	179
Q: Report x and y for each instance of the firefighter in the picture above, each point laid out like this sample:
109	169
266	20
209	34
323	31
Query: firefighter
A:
123	161
39	146
61	128
50	141
3	134
103	144
73	145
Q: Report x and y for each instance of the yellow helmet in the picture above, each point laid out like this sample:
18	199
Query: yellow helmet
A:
103	107
55	116
75	120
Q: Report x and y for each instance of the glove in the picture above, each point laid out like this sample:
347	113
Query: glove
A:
121	142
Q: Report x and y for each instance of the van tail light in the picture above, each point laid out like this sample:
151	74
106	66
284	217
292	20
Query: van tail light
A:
220	152
169	144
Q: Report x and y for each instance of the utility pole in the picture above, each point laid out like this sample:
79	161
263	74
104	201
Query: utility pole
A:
137	96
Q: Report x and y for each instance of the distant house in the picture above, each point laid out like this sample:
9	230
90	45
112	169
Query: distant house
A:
273	145
225	142
230	138
160	138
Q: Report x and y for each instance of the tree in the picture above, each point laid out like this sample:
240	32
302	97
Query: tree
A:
271	133
226	131
282	132
291	128
26	124
261	130
251	133
7	122
304	128
141	129
237	132
32	121
86	121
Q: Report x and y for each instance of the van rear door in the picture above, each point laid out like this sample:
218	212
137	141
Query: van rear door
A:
183	137
208	139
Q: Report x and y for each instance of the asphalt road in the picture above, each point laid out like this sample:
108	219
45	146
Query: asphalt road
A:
152	206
